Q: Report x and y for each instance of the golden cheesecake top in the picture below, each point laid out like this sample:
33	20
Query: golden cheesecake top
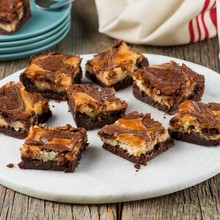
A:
14	100
115	63
134	132
57	68
46	143
91	100
201	114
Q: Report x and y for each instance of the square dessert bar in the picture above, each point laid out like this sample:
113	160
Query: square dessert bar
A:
136	137
94	107
197	123
19	110
57	148
167	85
13	14
52	74
114	66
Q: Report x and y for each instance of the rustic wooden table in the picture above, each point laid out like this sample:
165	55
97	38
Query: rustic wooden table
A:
198	202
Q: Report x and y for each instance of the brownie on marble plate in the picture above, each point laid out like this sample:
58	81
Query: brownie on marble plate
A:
58	148
94	107
52	74
197	123
20	109
167	85
136	137
114	66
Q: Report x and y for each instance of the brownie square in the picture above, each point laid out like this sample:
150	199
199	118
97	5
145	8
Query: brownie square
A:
52	74
197	123
19	110
114	66
57	148
167	85
94	107
13	14
136	137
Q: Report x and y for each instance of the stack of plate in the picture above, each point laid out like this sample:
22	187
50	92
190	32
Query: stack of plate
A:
43	30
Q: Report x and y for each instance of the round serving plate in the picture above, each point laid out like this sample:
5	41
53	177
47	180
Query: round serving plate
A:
102	177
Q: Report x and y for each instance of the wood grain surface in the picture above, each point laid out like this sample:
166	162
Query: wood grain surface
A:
198	202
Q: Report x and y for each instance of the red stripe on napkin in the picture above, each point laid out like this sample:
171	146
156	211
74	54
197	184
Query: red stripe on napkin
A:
199	29
191	32
203	18
213	16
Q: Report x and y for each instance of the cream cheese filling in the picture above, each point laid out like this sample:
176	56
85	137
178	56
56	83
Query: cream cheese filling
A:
45	155
136	150
47	86
15	125
188	127
119	74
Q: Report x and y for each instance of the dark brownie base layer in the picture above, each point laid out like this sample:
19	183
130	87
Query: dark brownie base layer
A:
26	16
126	82
193	138
141	160
49	94
20	134
99	121
142	96
34	164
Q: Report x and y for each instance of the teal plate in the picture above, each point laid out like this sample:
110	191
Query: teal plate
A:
37	44
14	56
43	36
41	21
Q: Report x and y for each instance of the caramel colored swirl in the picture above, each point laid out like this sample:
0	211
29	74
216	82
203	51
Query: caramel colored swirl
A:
60	139
55	68
205	115
91	100
135	128
15	101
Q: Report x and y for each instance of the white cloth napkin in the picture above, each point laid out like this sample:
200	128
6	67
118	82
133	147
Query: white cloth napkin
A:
158	22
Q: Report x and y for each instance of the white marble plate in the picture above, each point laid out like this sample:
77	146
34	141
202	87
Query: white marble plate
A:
102	177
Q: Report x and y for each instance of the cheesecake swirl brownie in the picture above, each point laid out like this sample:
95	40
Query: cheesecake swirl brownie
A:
13	14
114	66
197	123
167	85
57	148
136	137
52	74
94	107
19	110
